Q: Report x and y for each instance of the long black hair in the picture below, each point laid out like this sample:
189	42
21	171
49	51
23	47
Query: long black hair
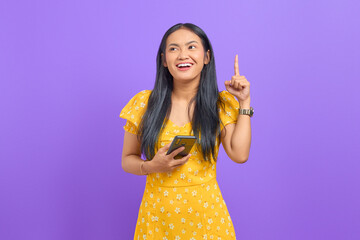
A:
205	119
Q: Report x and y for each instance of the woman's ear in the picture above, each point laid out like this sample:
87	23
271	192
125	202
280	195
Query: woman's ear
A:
207	57
163	60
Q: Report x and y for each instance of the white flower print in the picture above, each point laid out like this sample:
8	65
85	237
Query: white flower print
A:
162	209
177	210
171	201
166	193
182	176
171	226
178	196
194	193
183	220
199	225
206	205
177	238
190	210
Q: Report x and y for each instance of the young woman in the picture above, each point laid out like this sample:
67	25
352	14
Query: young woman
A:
182	199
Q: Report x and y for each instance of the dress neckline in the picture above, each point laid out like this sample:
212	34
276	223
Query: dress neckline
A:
174	124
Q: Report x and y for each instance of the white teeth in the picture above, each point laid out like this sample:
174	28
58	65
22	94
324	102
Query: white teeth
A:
184	65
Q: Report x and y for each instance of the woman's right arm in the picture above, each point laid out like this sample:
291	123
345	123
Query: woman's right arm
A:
131	154
131	158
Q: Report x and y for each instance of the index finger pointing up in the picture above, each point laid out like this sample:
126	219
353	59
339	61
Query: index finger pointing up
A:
236	65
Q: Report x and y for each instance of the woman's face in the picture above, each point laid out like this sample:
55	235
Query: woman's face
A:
184	55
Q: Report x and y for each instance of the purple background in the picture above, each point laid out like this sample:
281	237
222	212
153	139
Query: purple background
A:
67	68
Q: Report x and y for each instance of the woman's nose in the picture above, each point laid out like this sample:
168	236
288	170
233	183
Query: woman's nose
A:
182	55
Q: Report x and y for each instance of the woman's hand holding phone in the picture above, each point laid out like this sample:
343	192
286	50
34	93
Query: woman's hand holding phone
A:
163	162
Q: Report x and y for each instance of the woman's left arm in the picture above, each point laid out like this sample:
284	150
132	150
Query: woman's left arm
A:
236	138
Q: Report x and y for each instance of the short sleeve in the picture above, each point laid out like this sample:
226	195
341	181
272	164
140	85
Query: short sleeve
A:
134	111
228	110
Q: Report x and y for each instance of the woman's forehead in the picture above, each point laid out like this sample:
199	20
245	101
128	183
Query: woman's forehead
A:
182	36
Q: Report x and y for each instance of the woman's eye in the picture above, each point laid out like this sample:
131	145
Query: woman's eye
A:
172	49
192	47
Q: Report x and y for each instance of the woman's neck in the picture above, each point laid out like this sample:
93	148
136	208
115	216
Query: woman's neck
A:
185	91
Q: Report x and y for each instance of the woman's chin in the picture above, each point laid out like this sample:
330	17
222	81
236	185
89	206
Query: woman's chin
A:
184	78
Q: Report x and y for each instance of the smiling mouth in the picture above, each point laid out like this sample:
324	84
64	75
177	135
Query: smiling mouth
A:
184	66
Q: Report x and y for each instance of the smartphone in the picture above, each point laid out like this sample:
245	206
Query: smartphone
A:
179	141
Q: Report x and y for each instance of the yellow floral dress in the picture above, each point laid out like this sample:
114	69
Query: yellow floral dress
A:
187	203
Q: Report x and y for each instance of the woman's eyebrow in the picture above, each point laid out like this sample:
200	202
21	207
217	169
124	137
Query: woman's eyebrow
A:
177	45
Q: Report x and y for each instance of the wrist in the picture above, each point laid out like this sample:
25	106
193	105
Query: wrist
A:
146	168
244	104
